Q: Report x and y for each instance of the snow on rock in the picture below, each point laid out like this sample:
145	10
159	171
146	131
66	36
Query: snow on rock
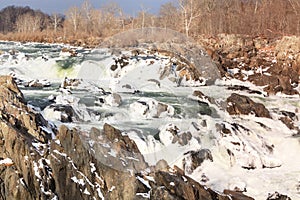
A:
66	109
6	162
113	100
169	144
236	184
150	108
247	148
194	159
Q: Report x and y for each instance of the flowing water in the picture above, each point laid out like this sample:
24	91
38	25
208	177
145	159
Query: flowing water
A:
142	89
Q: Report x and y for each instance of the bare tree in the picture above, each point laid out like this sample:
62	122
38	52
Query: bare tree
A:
190	11
56	21
87	10
74	16
169	16
28	23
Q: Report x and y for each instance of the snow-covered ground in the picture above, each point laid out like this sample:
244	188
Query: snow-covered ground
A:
151	102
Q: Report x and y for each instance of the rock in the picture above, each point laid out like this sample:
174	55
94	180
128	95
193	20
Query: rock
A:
68	52
150	108
9	83
15	113
70	82
288	122
177	186
273	63
237	185
194	159
237	195
161	165
43	162
113	99
277	196
115	136
201	97
171	134
239	104
37	83
63	113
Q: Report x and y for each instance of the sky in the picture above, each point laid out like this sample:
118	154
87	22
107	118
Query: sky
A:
60	6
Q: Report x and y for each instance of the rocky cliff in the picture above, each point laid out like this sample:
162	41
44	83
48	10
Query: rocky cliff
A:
41	161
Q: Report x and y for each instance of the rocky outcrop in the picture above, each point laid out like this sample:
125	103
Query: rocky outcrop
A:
39	161
239	104
15	114
270	62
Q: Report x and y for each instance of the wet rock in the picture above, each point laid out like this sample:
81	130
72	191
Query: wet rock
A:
288	122
239	104
68	52
237	195
63	113
171	134
244	88
201	97
277	196
113	99
123	142
150	108
194	159
67	83
79	164
177	186
37	83
222	129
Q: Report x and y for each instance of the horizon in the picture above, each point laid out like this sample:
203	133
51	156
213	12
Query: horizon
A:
57	6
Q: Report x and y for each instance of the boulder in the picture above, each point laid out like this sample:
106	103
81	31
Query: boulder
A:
278	196
150	108
194	159
113	99
239	104
63	113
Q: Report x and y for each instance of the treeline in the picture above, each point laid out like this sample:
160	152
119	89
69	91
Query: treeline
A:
192	17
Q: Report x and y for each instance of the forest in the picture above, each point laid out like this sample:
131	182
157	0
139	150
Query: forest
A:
269	18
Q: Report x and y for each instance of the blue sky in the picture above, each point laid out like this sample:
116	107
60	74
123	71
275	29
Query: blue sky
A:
60	6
